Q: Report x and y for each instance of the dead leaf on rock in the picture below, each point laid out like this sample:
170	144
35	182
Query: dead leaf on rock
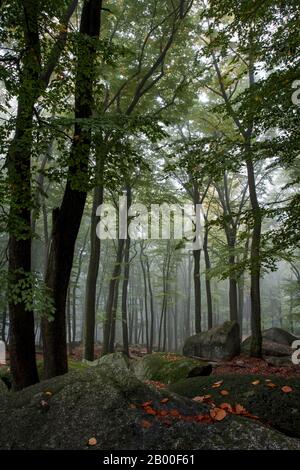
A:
92	441
145	424
218	414
226	406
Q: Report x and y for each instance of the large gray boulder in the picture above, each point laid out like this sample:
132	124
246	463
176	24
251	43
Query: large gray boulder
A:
221	342
106	404
278	335
269	348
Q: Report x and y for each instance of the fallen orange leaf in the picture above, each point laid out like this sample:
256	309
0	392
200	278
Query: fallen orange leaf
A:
199	399
286	389
255	382
150	411
226	407
145	424
92	441
164	400
217	384
239	409
271	385
147	403
218	414
224	393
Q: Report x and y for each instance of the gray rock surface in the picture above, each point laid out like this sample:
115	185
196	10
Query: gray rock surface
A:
105	403
221	342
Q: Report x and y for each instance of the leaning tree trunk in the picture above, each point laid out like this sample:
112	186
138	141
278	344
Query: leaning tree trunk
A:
67	219
21	318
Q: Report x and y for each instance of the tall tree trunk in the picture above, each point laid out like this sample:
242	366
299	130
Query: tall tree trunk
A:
67	219
22	342
145	296
109	320
255	266
125	284
207	280
114	317
241	283
188	301
152	319
125	335
197	280
69	323
197	289
91	281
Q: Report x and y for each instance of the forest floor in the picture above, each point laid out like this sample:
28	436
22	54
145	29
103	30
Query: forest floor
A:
239	365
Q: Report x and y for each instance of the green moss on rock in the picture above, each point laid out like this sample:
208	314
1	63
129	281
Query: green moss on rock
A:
169	368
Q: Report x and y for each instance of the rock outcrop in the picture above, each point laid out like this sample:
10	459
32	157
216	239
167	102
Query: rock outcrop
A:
221	342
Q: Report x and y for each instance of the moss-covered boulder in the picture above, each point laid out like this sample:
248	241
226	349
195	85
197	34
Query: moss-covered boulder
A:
221	342
261	396
116	359
107	404
168	368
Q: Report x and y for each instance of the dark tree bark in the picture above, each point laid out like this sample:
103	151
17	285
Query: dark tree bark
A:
197	289
67	218
197	280
255	266
207	279
152	316
142	259
91	281
22	347
109	323
125	284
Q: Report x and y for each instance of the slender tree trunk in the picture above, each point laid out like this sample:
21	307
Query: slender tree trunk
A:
69	323
145	297
207	280
22	342
125	284
152	319
124	299
67	219
241	283
91	281
188	300
114	318
255	266
197	289
109	320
